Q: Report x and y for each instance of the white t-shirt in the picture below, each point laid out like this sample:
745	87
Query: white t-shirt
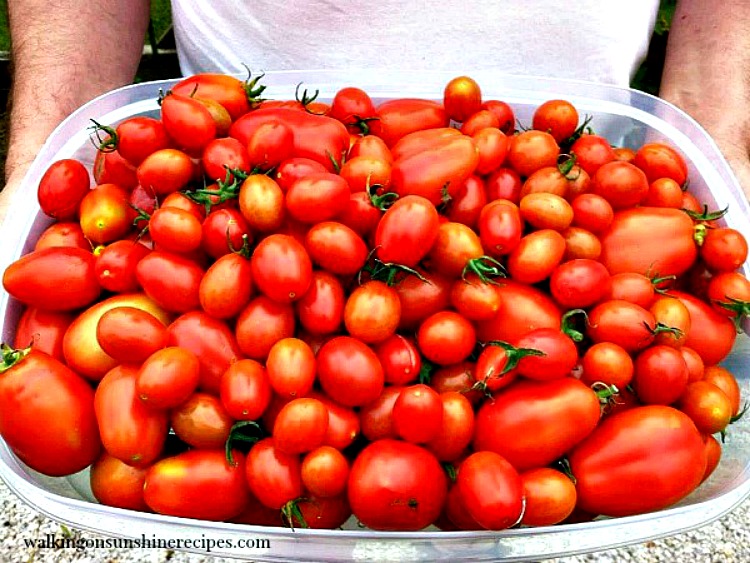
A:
599	40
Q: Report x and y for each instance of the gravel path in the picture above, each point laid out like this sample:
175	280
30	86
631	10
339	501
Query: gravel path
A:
726	540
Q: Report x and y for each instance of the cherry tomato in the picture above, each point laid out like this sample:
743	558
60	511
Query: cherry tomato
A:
224	230
559	354
168	377
300	426
558	117
116	265
468	202
139	136
623	323
446	338
165	171
349	371
293	169
504	114
317	197
462	97
579	283
658	160
536	256
111	168
227	286
456	428
336	248
550	496
500	227
261	324
43	331
262	203
270	144
592	212
130	335
62	234
607	363
708	407
400	360
417	414
407	231
281	268
172	280
291	368
671	312
546	211
504	183
712	334
724	249
201	422
274	477
354	108
724	380
372	312
117	484
531	150
492	145
105	214
325	471
245	390
401	116
62	188
635	288
188	122
475	299
660	375
592	151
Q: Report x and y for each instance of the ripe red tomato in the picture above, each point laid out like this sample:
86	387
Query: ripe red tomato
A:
500	227
188	122
118	484
165	171
446	338
317	197
262	203
579	283
300	426
607	363
112	168
325	471
281	268
708	407
455	246
201	422
550	496
291	368
724	380
558	117
401	116
168	377
659	160
407	231
664	192
396	485
417	414
376	417
724	249
363	172
106	214
355	109
172	280
261	324
503	183
536	256
336	248
372	312
546	211
43	331
475	299
274	477
592	151
61	189
66	233
622	323
130	335
36	387
531	150
400	359
651	444
349	371
559	354
245	390
621	184
116	265
226	287
270	144
712	334
139	136
592	212
223	231
660	375
462	97
456	428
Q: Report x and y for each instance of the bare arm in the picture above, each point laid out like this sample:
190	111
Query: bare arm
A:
65	52
707	74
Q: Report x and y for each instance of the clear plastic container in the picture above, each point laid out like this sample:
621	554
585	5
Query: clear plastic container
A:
624	116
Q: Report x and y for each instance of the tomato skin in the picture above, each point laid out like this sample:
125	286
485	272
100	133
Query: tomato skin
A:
695	366
355	109
621	184
116	265
43	330
417	414
291	368
407	231
579	283
211	340
54	279
491	490
660	375
558	117
531	150
546	211
270	144
372	312
536	256
360	215
446	338
261	324
130	431
349	371
635	288
724	249
40	388
321	310
61	189
666	246
500	227
281	268
607	363
672	313
245	390
300	426
581	244
262	203
363	171
198	484
396	485
550	496
724	380
201	422
708	407
640	460
658	160
336	248
402	116
130	335
165	171
325	472
454	246
117	484
67	233
226	287
559	359
492	145
167	377
523	308
455	429
139	136
532	423
371	146
592	151
376	417
274	477
712	334
317	197
172	280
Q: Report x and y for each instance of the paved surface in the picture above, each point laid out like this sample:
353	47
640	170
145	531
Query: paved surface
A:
726	540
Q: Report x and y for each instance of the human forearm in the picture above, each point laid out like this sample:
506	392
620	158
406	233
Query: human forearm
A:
707	74
65	54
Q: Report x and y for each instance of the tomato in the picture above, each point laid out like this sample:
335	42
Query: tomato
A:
363	172
446	338
536	256
245	390
372	312
224	230
106	214
531	150
660	375
729	293
201	422
62	234
226	287
270	144
376	417
46	413
622	323
591	152
188	122
491	490
211	340
724	380
546	211
371	146
492	145
455	429
500	227
455	249
361	215
496	367
400	360
592	212
708	407
504	183
468	202
632	287
475	299
560	354
291	368
198	484
167	377
144	201
712	334
61	189
550	496
165	171
325	471
292	169
607	363
349	371
724	249
713	455
172	280
112	168
274	477
130	335
664	192
354	108
420	299
317	197
43	331
396	486
417	414
262	203
81	347
621	184
129	430
343	422
579	283
401	116
532	423
220	156
261	324
175	230
546	180
407	231
139	136
581	244
624	153
336	248
434	166
558	117
694	363
522	309
479	121
117	484
461	98
327	513
300	426
455	515
227	90
281	268
659	160
116	265
672	313
652	444
649	239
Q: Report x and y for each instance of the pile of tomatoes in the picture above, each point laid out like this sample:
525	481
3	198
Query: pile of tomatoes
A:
292	312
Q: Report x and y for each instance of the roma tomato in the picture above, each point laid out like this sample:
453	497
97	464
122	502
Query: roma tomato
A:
261	324
349	371
274	477
201	422
225	289
504	183
245	390
43	331
224	230
474	298
300	426
47	413
281	268
168	377
61	189
402	116
198	484
118	484
651	444
592	212
532	423
66	233
376	417
291	368
171	280
396	485
468	202
130	335
188	122
407	231
400	359
175	230
270	144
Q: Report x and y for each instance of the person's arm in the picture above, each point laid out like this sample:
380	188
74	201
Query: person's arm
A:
63	55
707	74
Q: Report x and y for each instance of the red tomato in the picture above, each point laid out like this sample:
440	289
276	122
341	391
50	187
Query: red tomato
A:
708	407
500	227
592	212
531	150
632	287
417	414
550	496
607	363
504	183
712	334
399	117
228	91
354	108
130	335
724	380
407	231
245	390
224	230
532	423
396	486
343	423
621	184
579	283
336	248
291	368
651	444
130	431
491	490
274	477
546	211
622	323
292	169
54	279
281	268
188	122
694	363
172	280
724	249
558	117
713	455
455	429
468	202
61	189
300	426
475	299
226	287
270	144
118	484
660	375
420	299
446	338
198	484
372	312
62	234
116	265
479	121
349	371
560	354
139	136
220	156
658	160
496	367
262	203
592	151
664	192
261	324
321	310
112	168
317	197
165	171
201	422
670	312
43	331
454	250
325	471
364	172
36	388
168	377
504	114
361	215
376	417
536	256
106	214
462	97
